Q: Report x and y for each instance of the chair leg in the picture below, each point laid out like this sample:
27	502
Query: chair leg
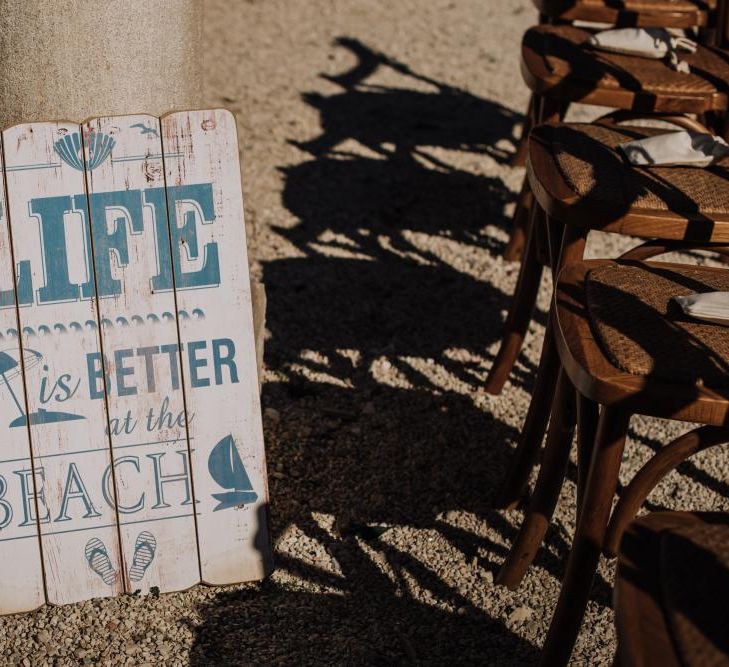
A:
525	202
535	424
546	492
520	226
572	249
520	313
543	110
587	416
583	559
519	158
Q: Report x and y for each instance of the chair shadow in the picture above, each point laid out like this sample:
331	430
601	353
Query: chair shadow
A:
375	115
390	272
376	461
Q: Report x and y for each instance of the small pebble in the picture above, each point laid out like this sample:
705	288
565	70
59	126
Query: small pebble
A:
272	415
520	614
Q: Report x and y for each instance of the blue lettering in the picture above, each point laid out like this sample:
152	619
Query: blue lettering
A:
95	372
106	486
7	507
148	354
108	218
173	351
160	480
196	363
195	204
126	205
50	212
25	288
75	489
27	490
227	360
122	371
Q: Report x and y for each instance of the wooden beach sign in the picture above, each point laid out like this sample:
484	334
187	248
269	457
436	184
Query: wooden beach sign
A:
132	449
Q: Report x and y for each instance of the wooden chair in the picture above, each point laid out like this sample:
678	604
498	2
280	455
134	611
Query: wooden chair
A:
560	68
642	13
580	180
671	585
558	62
626	347
682	14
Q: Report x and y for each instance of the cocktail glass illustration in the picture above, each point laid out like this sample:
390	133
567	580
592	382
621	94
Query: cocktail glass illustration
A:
9	370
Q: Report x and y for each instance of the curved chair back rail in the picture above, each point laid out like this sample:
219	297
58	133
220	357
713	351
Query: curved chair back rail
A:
647	478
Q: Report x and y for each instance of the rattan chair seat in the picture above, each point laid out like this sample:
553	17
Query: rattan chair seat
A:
590	163
561	54
642	331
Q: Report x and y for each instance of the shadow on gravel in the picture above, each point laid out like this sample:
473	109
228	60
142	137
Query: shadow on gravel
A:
375	116
391	244
378	333
353	463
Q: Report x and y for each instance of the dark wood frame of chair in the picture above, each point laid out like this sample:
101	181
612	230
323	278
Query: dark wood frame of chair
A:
552	95
645	635
615	395
567	11
691	15
555	234
558	207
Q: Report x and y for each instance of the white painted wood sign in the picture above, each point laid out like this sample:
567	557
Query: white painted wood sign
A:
132	450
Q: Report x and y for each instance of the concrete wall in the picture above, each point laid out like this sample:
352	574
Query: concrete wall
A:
72	59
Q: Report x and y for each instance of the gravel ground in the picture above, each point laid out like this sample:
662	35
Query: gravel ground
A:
375	139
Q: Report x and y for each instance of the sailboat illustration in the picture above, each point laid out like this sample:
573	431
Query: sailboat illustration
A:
228	471
10	369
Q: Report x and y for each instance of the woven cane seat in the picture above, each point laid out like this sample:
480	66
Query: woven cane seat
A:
558	56
588	10
588	159
643	332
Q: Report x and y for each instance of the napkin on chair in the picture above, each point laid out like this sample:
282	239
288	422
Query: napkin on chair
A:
709	306
692	149
655	43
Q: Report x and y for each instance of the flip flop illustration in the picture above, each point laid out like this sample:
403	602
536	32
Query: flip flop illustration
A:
144	549
99	561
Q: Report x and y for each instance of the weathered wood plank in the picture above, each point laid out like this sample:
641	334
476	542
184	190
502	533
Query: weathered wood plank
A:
128	213
49	228
213	295
21	579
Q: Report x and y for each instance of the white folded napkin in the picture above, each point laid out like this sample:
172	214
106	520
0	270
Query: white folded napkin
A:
709	306
681	148
654	43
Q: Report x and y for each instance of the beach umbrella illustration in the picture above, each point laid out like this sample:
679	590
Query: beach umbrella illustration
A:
10	369
227	469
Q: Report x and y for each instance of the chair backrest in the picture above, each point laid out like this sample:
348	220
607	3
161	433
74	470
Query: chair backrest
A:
696	15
